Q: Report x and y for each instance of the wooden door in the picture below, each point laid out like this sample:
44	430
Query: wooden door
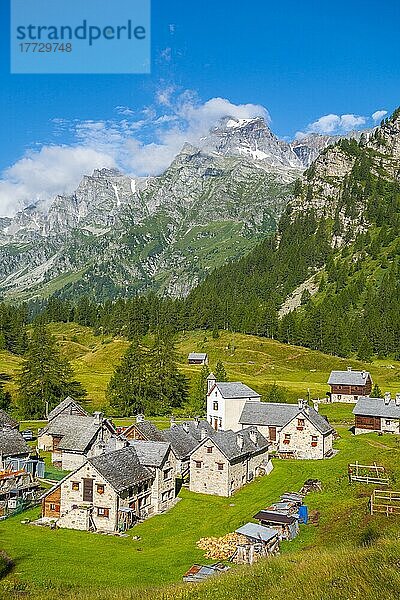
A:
272	434
88	490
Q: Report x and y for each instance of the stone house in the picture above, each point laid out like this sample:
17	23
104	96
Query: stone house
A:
73	438
377	414
160	459
295	430
184	438
110	492
67	407
12	446
143	430
349	385
225	402
223	463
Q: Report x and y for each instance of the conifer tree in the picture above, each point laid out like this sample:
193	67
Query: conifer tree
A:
199	392
127	391
220	372
5	396
46	378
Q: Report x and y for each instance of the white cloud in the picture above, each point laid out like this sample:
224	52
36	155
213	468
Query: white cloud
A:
378	115
43	174
334	124
141	147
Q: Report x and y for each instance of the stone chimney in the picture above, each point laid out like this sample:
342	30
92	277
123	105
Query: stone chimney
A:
364	374
172	422
387	398
253	435
300	403
203	433
185	427
397	399
349	369
139	418
211	381
197	422
98	417
316	406
240	440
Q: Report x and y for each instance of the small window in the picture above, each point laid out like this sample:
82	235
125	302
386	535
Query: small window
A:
103	512
314	440
100	488
287	436
220	466
215	405
167	474
198	464
387	422
75	486
209	449
52	507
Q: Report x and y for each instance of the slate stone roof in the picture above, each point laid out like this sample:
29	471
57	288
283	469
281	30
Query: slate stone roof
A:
227	442
257	532
68	407
376	407
76	432
197	356
6	420
277	414
12	443
122	468
150	454
348	377
185	437
148	430
236	389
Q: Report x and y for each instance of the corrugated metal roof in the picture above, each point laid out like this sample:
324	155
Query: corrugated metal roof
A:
257	532
376	407
274	517
348	377
236	389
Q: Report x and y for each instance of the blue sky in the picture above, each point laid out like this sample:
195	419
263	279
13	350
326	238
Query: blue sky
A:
300	61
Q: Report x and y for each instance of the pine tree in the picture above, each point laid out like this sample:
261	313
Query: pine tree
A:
127	391
220	372
5	396
365	350
46	378
168	388
376	391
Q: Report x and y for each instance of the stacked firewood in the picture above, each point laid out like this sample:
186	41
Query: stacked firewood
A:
221	548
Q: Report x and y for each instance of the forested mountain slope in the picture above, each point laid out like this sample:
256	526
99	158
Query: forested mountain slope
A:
341	235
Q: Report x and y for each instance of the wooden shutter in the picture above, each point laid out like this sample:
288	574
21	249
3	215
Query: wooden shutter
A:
88	490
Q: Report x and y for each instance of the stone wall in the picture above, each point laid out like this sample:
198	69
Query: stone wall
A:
301	440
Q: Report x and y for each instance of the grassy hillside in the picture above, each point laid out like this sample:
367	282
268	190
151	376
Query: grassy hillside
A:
325	561
258	362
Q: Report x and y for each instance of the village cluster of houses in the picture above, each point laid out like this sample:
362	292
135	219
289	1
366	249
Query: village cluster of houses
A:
118	478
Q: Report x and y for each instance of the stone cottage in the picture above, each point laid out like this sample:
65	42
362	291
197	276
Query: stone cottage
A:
349	385
295	430
67	407
223	463
377	414
73	438
12	446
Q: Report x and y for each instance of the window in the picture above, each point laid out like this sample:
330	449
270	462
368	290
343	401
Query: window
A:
220	466
387	422
287	438
209	449
215	405
75	486
100	488
314	441
167	474
103	512
198	464
52	507
300	424
164	496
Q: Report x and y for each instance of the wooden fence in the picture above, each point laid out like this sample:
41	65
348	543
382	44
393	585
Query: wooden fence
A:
386	502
